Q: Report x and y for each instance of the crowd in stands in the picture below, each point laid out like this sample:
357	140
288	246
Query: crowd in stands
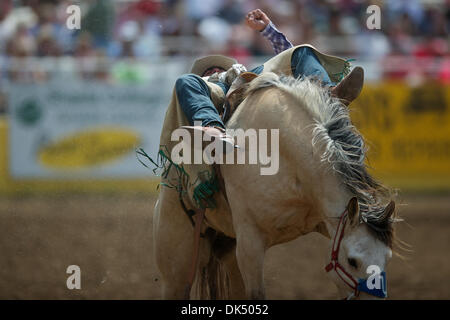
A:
143	28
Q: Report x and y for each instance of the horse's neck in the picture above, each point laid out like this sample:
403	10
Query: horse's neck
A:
328	194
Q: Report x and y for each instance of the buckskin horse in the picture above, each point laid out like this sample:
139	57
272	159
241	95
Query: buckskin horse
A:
322	186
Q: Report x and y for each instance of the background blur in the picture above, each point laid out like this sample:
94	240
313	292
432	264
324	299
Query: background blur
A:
75	104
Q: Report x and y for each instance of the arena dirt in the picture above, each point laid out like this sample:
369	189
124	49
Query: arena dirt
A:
110	238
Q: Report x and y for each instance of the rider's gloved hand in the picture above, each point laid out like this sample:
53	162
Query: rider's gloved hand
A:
234	72
228	76
257	20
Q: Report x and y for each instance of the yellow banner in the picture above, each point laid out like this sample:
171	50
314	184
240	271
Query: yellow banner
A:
407	130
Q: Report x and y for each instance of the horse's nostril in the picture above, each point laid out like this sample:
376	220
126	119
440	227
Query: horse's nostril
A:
353	263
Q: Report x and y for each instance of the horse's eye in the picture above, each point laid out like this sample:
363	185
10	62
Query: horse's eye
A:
352	262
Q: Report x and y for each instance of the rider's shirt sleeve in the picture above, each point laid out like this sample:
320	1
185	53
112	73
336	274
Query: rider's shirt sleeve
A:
277	39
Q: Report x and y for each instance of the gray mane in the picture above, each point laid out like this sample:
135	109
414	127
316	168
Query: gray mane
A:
345	149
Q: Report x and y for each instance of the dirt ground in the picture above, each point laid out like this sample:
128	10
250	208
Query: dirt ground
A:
110	238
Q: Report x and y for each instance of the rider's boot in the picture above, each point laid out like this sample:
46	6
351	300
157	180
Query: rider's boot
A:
350	87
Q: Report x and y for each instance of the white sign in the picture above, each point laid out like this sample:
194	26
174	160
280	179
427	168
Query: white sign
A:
86	130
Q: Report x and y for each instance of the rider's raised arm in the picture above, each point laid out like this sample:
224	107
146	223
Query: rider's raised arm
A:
259	21
277	38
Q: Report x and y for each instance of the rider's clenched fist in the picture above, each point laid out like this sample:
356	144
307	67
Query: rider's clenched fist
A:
257	20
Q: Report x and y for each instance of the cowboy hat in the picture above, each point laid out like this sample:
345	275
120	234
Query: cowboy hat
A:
203	64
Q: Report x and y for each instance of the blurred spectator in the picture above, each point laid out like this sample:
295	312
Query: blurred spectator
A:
5	8
99	22
47	45
232	11
84	46
404	23
16	18
21	43
412	9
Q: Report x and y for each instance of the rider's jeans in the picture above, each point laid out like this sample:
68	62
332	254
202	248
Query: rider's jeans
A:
195	100
304	63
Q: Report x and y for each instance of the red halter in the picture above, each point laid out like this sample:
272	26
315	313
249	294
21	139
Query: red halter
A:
348	279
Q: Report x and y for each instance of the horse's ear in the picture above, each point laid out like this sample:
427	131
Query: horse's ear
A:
389	210
353	211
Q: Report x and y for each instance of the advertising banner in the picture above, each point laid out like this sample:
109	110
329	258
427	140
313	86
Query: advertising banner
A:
407	130
83	130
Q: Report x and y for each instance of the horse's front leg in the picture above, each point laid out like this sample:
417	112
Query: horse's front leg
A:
172	234
250	252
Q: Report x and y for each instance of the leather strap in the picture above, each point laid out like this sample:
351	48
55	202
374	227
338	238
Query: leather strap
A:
334	264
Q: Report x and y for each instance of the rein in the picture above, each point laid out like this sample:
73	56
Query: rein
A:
357	286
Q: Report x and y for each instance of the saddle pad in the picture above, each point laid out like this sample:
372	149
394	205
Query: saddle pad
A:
196	182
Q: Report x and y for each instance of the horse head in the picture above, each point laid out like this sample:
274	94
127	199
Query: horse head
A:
360	250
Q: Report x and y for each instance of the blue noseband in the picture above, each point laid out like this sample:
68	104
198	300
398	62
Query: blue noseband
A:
377	292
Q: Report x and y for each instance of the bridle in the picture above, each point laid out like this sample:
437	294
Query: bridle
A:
356	285
334	264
